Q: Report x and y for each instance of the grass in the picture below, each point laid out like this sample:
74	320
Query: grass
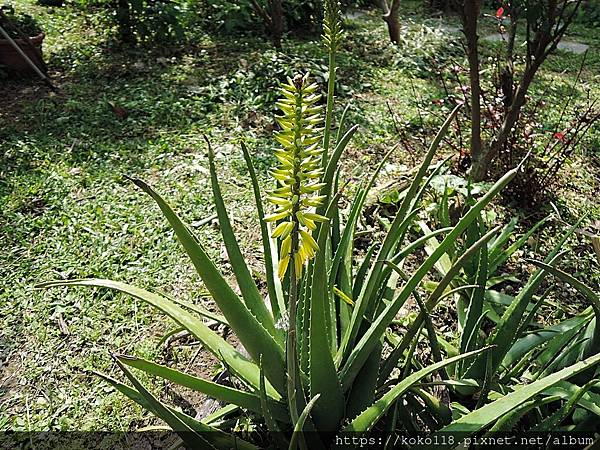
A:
67	212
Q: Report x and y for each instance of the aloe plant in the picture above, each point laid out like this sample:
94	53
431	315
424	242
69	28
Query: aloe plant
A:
315	337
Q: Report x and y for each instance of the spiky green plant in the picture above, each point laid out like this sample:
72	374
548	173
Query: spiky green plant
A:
315	359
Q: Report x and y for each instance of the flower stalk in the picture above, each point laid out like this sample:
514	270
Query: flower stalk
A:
295	198
332	34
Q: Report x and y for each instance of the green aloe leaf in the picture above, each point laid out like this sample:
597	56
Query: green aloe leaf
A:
454	269
559	353
361	351
506	332
344	252
187	434
507	422
477	420
474	312
199	310
499	257
564	390
273	283
220	414
223	393
134	395
496	246
425	314
368	418
435	406
322	372
536	338
210	437
435	296
362	393
332	167
364	300
552	422
374	279
342	122
443	265
589	294
253	336
238	363
361	273
410	248
296	435
265	407
250	293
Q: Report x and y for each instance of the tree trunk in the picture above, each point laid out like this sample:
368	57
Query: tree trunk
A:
393	28
479	168
507	81
276	23
273	19
545	39
125	22
470	18
390	17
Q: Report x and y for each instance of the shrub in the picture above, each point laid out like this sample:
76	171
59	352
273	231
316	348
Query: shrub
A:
143	21
241	16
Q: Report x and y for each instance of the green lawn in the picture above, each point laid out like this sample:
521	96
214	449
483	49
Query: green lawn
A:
66	210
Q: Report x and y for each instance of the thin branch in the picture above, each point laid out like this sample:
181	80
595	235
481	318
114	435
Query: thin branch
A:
258	9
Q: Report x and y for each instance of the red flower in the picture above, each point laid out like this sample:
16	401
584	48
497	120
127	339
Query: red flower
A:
560	136
500	12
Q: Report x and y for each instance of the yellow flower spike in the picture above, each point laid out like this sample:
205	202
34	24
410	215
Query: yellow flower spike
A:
277	216
305	250
288	95
286	246
309	150
311	187
315	217
283	265
315	110
285	107
312	175
310	224
306	221
279	176
285	124
312	202
283	230
284	161
311	140
298	173
311	88
285	190
298	262
302	251
280	201
309	240
317	198
283	140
